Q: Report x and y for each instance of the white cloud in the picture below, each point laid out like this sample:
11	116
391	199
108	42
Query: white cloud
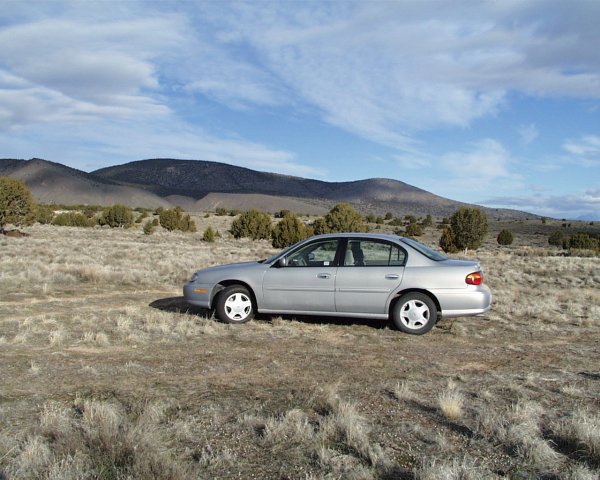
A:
586	145
584	151
585	205
88	145
63	70
486	162
528	133
387	70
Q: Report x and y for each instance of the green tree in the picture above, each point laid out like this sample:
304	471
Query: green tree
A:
556	238
253	224
583	241
170	218
16	203
447	241
288	231
414	230
320	227
505	237
174	219
343	218
117	216
469	227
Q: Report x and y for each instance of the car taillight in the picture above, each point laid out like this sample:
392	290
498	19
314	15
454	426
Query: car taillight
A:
474	278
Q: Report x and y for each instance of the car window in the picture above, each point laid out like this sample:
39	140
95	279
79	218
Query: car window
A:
317	254
368	253
428	252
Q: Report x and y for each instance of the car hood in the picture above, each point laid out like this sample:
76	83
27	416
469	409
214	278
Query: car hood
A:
229	266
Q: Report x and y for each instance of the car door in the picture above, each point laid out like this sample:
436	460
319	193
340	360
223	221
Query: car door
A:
307	281
370	272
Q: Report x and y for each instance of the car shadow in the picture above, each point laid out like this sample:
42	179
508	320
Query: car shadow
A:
179	305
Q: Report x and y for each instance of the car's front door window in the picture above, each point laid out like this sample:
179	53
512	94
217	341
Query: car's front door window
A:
318	254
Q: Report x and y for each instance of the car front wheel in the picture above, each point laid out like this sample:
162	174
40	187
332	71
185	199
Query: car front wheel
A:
234	305
414	313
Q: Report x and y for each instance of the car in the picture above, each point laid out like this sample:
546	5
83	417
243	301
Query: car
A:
378	276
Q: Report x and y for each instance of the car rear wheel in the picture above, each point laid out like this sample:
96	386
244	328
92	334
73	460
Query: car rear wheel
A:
414	313
234	305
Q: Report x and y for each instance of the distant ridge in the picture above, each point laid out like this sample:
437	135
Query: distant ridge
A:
52	182
202	185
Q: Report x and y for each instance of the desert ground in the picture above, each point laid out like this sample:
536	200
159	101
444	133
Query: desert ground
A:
106	373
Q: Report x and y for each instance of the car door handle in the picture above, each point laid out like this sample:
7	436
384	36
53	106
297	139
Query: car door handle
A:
324	275
392	276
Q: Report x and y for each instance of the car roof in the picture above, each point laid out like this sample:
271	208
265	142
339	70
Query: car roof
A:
380	236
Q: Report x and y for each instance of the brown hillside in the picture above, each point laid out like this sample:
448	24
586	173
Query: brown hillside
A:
52	182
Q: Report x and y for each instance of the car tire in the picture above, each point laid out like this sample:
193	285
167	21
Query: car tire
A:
414	313
235	305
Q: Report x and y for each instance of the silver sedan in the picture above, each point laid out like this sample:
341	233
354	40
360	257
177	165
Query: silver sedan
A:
375	276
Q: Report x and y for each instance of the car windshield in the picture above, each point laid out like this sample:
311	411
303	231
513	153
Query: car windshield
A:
278	254
425	250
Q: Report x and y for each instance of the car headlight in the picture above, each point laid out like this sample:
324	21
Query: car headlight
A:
194	277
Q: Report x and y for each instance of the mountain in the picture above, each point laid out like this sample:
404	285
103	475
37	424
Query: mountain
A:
197	179
201	185
51	182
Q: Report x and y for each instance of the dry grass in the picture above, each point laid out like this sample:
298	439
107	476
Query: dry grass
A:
106	373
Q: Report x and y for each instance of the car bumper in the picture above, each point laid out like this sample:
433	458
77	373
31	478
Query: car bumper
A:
197	294
474	301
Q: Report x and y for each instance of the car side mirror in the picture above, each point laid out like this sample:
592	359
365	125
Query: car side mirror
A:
282	262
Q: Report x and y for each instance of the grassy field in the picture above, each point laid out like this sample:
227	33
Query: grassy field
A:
107	373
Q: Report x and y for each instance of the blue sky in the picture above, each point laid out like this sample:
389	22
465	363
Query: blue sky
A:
495	103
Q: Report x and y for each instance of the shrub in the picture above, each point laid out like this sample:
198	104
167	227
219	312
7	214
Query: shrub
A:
221	212
469	228
16	203
91	210
210	235
72	219
186	224
341	218
253	224
389	216
173	219
117	216
428	221
414	230
43	214
149	227
282	213
447	241
583	241
556	239
288	231
505	237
